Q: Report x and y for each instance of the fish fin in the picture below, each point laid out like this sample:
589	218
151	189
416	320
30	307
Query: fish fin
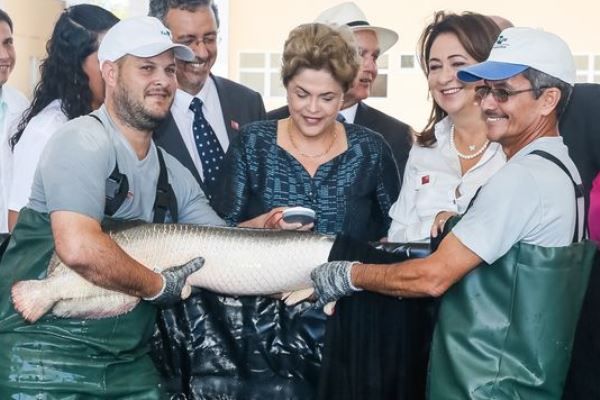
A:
30	300
329	308
295	297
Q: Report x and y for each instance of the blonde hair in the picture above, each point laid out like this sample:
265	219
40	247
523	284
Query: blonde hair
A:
319	46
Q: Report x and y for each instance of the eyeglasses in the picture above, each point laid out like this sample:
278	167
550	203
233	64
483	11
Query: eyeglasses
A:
500	95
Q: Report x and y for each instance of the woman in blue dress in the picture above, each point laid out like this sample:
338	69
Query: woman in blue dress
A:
344	172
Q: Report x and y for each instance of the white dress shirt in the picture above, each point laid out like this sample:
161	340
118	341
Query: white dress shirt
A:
28	150
433	182
184	118
349	113
12	106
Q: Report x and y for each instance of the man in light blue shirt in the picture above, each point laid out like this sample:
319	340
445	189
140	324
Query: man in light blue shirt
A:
12	105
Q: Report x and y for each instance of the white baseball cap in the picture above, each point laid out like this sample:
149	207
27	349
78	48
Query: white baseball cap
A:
517	49
350	15
140	37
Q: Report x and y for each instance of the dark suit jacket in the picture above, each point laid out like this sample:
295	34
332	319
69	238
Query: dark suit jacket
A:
239	104
396	133
580	128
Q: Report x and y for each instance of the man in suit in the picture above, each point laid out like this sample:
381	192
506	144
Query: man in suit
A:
580	129
201	97
372	41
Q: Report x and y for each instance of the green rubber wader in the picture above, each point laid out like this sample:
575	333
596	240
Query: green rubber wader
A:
64	358
505	331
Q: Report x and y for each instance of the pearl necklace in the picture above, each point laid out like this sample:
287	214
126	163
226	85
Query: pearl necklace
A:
327	150
472	147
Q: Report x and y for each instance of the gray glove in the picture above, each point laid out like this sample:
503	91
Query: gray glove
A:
332	281
174	281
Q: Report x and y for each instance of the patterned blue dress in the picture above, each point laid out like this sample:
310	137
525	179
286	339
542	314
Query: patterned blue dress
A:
351	193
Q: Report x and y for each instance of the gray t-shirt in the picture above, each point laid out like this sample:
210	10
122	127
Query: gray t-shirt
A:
529	200
74	166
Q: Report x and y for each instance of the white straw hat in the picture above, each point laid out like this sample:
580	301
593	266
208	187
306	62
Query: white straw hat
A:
350	15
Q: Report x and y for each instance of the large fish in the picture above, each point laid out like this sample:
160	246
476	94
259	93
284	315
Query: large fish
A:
237	262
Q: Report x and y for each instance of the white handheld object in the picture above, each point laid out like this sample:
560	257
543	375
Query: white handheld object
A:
302	215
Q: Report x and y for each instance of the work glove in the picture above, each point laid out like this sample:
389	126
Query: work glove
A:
332	281
175	288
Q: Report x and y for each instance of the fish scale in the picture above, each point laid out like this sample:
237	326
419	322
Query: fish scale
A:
238	261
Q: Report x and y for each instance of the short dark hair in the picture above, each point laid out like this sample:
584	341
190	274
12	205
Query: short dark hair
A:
6	18
160	8
540	80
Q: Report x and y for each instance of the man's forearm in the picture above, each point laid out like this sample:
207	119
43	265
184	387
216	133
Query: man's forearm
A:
405	279
81	245
429	276
105	264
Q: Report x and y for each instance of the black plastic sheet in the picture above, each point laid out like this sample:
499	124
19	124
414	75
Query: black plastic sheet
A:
219	347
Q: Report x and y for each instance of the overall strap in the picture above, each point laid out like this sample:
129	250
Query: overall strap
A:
578	187
473	199
96	118
165	199
117	185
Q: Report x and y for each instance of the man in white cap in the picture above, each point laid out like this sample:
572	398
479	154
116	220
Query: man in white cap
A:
104	164
511	272
372	42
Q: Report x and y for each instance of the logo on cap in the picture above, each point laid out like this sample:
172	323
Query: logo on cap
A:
500	42
165	32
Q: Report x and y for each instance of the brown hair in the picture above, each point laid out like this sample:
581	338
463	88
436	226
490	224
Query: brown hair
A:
319	46
475	32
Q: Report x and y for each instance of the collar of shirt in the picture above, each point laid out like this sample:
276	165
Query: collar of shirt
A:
350	113
5	166
3	105
547	143
112	130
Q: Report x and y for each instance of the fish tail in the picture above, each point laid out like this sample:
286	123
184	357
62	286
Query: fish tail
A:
295	297
31	300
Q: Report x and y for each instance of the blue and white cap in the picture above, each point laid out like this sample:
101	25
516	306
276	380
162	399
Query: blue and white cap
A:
517	49
140	37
